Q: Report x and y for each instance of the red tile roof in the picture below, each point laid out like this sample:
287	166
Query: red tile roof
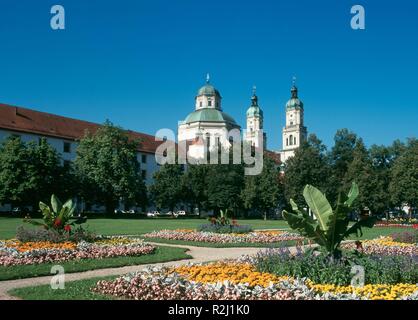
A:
273	156
30	121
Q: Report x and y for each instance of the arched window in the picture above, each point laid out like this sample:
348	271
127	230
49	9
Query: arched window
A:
287	141
295	141
291	139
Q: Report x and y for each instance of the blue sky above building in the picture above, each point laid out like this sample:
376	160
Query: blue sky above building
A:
140	63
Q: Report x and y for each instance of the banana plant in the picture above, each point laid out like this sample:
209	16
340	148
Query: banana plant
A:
58	215
330	227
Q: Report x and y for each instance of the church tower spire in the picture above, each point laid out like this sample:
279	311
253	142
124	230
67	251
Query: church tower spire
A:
254	134
294	132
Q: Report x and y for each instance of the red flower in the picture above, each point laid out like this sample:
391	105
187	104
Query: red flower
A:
57	223
67	228
415	226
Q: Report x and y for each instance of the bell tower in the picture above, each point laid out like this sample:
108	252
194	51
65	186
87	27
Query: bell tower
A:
294	132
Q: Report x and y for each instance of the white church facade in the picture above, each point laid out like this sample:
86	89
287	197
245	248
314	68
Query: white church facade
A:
208	126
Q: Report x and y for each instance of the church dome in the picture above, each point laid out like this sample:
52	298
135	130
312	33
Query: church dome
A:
208	90
209	115
254	110
294	101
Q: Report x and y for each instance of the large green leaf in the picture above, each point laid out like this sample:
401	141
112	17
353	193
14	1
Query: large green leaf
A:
304	224
352	195
356	228
56	204
70	205
319	205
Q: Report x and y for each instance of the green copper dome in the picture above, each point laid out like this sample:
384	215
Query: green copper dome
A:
209	115
208	90
294	101
254	110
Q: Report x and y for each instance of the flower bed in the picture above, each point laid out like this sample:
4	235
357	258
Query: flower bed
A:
385	246
395	225
15	252
251	237
236	280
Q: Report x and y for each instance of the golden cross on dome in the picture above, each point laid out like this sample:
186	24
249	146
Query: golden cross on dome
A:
207	78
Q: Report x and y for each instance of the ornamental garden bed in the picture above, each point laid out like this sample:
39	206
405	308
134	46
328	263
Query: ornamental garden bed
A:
203	238
391	274
57	241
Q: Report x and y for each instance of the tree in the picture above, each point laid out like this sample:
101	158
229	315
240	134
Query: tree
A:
16	182
341	156
404	176
194	182
224	184
263	192
108	169
29	172
168	190
47	173
361	170
308	166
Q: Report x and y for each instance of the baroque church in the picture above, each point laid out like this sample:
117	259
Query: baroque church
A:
209	126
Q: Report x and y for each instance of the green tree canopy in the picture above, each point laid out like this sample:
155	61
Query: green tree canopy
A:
263	192
108	169
168	191
404	176
308	166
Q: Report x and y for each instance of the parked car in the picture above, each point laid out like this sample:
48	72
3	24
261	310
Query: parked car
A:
181	213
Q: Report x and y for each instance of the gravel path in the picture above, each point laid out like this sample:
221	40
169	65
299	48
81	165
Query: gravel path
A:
199	254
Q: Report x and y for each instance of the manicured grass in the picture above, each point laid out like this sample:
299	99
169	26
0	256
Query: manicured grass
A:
224	245
136	226
140	226
74	290
161	254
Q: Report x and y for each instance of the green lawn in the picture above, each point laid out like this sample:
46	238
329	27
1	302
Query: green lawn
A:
136	226
140	226
74	290
162	254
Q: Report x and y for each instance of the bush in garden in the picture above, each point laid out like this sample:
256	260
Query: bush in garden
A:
331	227
319	269
51	235
218	228
57	216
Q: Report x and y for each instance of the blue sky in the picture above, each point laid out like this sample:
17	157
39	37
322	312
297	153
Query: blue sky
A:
140	63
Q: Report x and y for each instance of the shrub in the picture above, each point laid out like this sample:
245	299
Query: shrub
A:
322	270
38	235
218	228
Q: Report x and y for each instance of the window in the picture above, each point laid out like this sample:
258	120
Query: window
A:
291	140
144	174
209	103
295	141
67	147
144	158
200	104
287	141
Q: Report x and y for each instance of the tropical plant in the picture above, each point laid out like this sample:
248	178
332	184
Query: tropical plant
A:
57	216
330	227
